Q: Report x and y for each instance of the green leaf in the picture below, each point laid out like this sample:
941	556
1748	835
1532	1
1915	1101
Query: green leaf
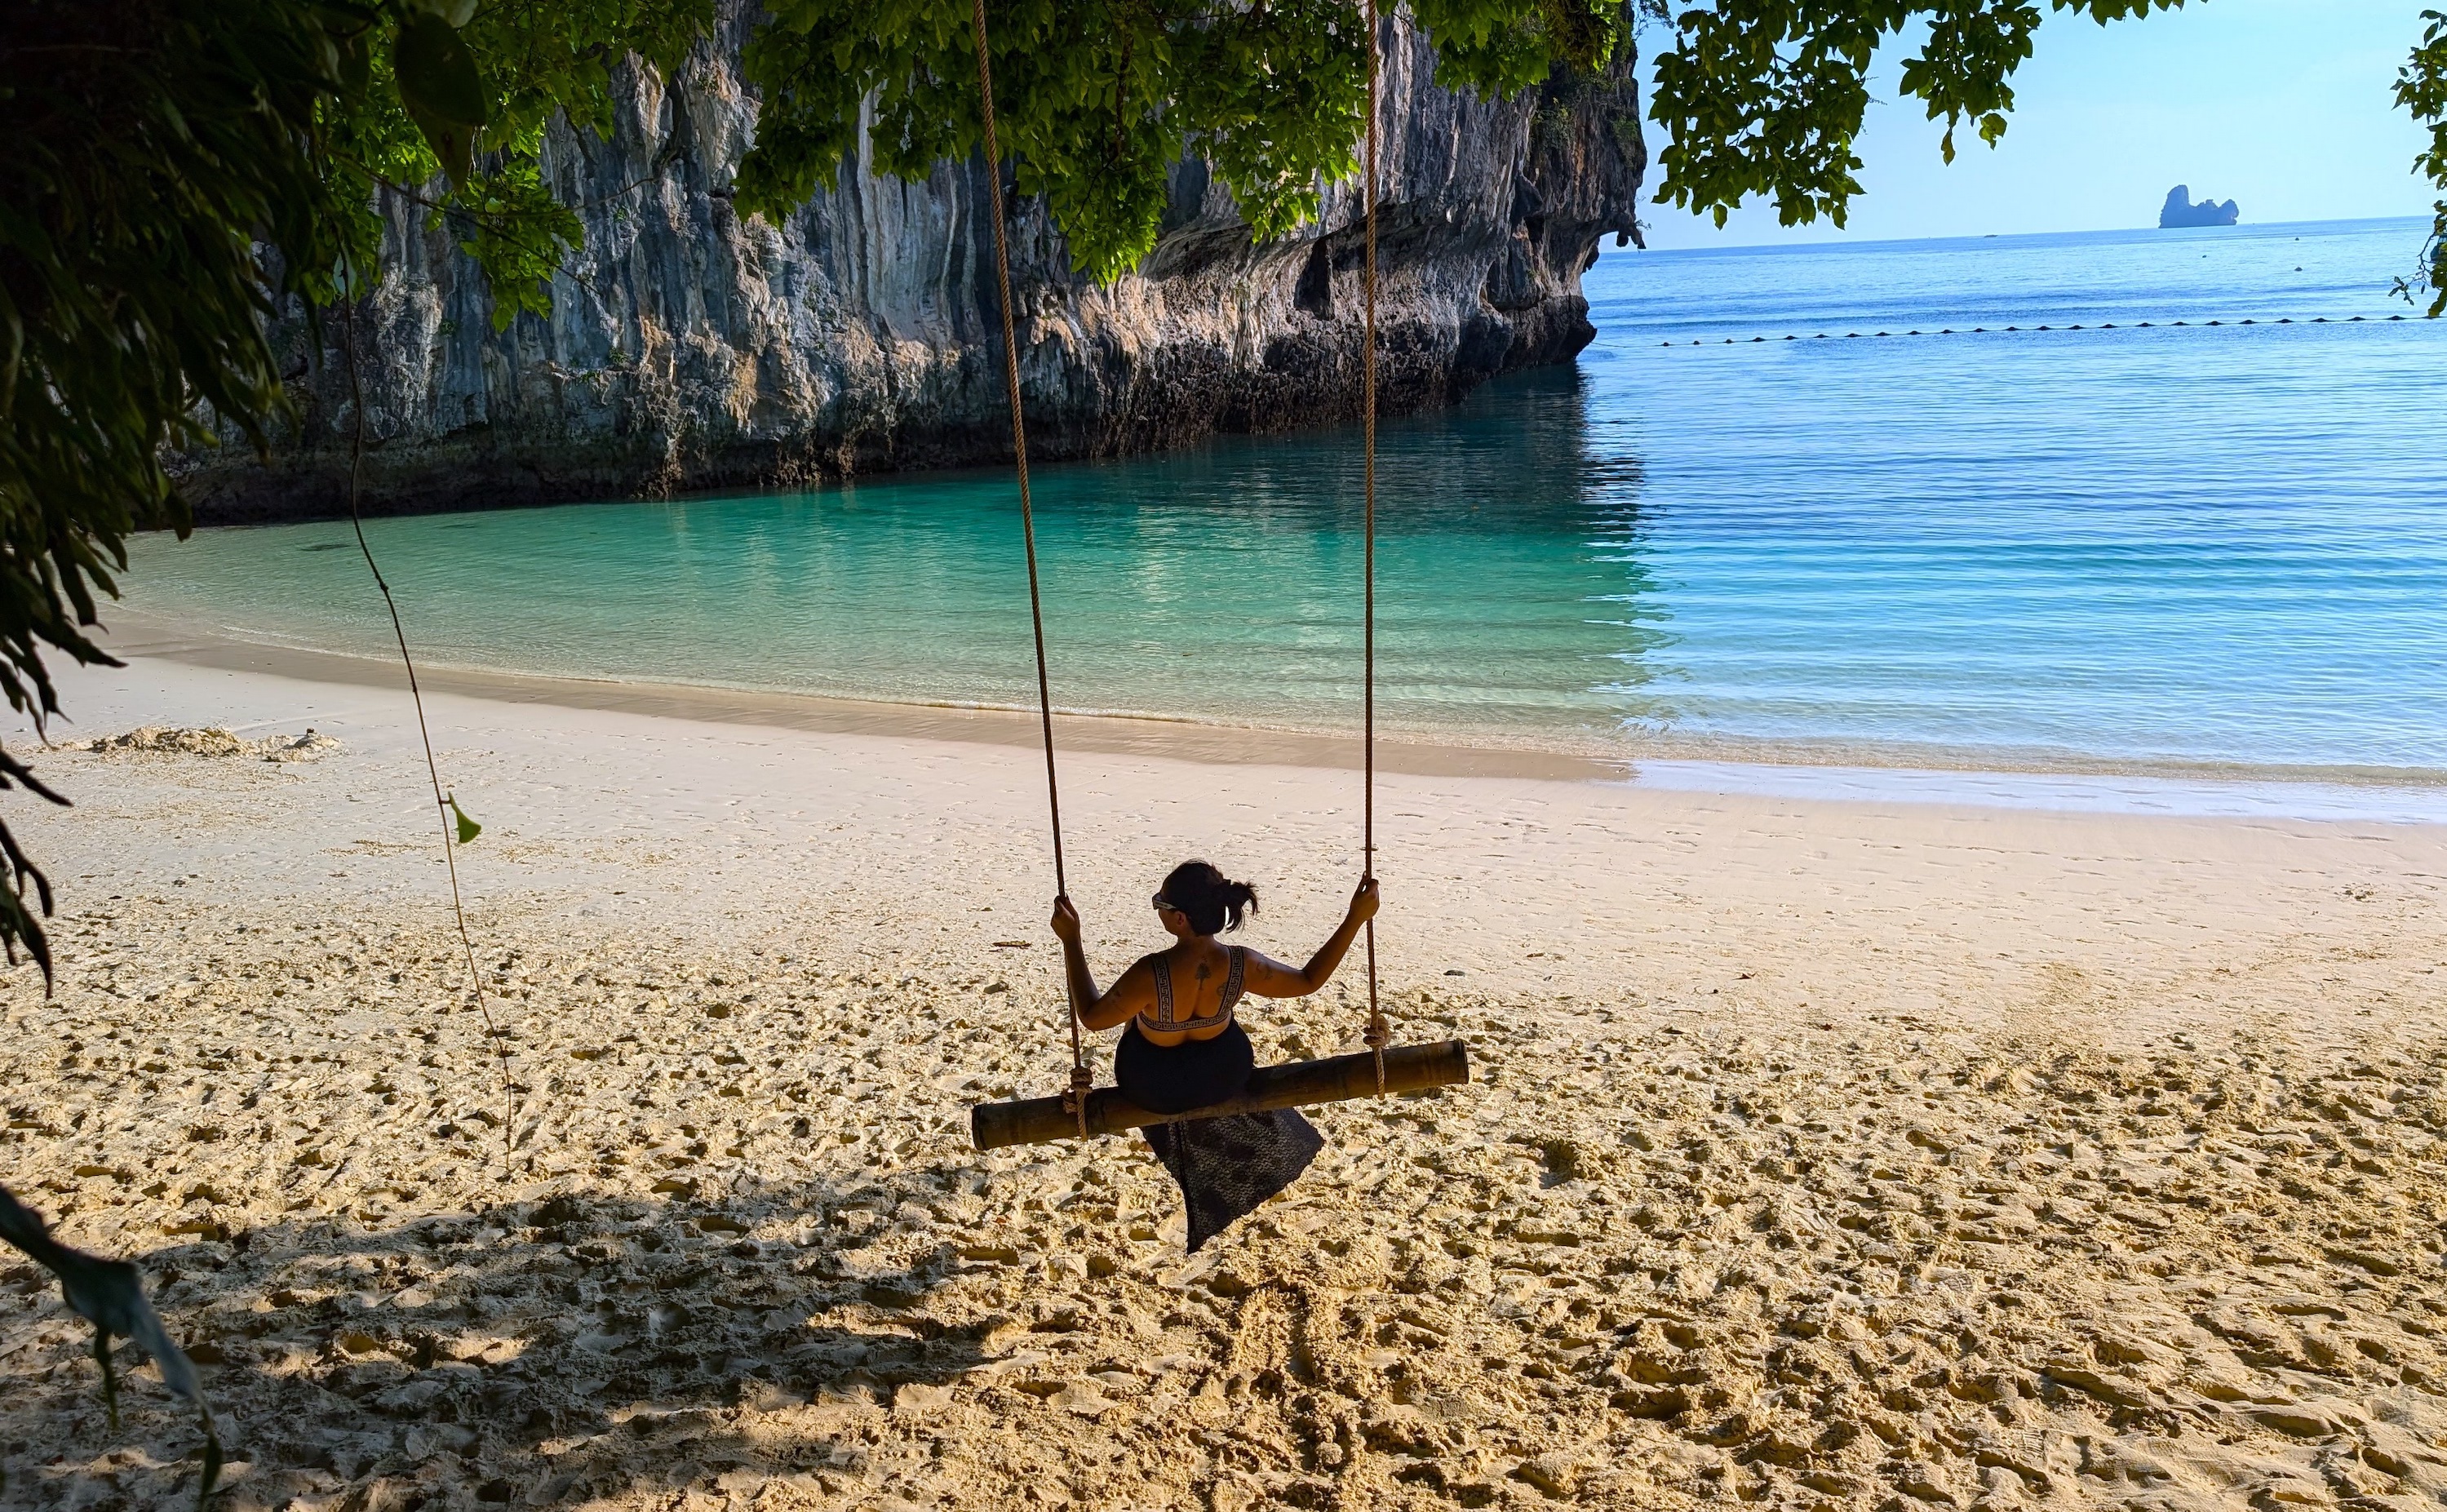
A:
453	13
356	63
442	89
437	72
468	828
454	144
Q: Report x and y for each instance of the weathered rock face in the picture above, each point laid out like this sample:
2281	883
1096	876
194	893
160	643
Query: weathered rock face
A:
693	347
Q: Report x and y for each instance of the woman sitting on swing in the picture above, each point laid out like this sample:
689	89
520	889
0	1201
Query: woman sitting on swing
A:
1183	1048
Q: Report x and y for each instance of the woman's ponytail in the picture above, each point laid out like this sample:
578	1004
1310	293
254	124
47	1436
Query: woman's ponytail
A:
1211	901
1238	898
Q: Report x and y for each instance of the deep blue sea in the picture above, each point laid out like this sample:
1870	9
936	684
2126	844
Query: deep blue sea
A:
2176	505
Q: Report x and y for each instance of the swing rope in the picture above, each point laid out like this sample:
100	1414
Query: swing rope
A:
1379	1033
1082	1081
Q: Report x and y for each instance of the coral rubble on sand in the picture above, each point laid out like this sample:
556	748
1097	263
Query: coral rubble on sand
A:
157	739
742	1255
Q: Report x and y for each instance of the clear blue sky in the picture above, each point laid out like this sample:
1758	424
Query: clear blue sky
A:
2283	105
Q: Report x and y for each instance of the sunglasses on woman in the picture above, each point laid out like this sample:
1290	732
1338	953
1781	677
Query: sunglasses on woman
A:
1161	906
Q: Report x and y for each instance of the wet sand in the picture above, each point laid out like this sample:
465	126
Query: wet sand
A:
1823	1153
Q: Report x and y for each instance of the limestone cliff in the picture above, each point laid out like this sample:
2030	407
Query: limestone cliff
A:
690	348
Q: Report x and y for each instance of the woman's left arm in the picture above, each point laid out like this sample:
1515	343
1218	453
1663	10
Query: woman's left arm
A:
1097	1009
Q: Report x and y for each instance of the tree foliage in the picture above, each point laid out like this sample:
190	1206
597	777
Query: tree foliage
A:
177	169
445	102
1097	99
149	142
2421	90
174	171
1766	97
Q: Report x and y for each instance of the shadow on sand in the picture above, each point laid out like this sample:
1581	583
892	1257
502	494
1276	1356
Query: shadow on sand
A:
539	1352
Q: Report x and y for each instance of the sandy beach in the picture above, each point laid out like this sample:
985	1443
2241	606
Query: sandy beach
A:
1821	1153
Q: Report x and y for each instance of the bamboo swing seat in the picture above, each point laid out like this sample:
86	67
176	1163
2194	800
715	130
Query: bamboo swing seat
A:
1296	1083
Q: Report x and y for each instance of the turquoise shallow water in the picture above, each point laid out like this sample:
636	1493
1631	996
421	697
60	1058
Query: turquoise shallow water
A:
2197	546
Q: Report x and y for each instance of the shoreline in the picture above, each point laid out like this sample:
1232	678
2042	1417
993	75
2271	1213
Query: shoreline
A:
1846	772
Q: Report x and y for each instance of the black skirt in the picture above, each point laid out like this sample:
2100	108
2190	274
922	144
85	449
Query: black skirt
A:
1176	1078
1224	1166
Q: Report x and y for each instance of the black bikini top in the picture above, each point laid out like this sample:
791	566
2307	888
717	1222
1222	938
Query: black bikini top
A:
1164	1020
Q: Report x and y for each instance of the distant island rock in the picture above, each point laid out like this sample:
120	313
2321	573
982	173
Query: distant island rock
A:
2180	211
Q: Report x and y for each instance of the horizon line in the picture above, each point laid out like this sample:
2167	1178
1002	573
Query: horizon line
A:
1839	239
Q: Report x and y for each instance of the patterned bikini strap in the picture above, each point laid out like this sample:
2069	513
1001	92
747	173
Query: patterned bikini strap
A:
1163	989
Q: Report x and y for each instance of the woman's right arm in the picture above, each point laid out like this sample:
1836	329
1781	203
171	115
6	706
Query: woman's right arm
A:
1269	978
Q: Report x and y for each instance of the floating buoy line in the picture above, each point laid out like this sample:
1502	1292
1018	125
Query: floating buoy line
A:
1999	331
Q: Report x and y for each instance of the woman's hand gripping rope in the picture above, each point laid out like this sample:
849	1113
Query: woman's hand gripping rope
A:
1378	1033
1079	987
1363	900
